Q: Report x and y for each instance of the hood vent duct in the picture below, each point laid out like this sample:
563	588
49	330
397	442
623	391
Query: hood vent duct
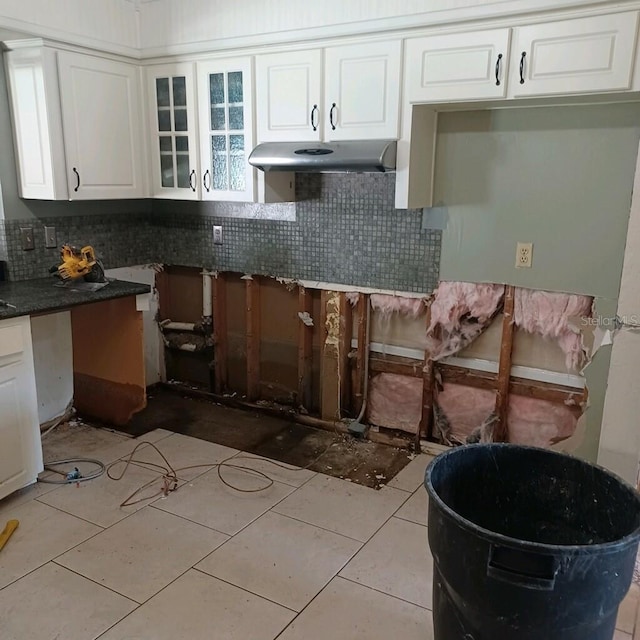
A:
317	157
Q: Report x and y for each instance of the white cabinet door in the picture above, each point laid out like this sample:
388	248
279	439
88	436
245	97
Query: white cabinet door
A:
174	141
32	79
20	447
102	127
362	91
460	66
225	119
574	56
289	96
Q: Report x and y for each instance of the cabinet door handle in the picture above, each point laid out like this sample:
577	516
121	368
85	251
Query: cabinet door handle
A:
522	57
192	175
331	112
204	180
498	69
77	179
314	122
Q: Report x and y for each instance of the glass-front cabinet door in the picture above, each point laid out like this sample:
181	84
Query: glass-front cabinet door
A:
172	119
225	99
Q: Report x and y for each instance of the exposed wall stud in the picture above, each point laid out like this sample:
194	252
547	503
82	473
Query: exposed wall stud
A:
220	334
427	391
346	331
305	349
363	303
253	338
501	431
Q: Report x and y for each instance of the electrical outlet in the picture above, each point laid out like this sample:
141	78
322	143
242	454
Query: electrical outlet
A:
28	243
217	234
524	255
50	238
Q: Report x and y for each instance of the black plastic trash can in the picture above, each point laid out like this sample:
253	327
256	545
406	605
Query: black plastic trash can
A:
528	544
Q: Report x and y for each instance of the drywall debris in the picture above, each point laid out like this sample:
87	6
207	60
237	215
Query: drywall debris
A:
460	312
289	283
550	315
306	318
388	304
246	276
352	297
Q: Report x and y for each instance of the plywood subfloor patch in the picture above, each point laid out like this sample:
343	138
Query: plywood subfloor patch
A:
363	462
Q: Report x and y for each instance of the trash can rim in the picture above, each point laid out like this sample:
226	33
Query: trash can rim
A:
505	540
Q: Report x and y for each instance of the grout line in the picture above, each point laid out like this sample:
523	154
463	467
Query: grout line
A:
384	593
104	586
73	515
420	524
317	526
253	593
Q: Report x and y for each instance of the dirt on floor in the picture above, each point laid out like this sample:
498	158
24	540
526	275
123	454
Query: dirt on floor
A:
334	454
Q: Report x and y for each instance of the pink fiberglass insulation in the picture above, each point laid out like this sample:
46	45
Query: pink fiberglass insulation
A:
395	401
387	304
532	422
548	314
462	410
460	312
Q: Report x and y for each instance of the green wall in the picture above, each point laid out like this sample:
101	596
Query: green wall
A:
560	177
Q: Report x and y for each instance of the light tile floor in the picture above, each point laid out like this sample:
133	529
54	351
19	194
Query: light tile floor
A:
311	557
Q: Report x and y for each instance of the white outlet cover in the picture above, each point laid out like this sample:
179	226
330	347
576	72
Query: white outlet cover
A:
524	255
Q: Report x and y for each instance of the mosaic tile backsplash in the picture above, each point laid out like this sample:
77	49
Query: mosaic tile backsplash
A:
346	231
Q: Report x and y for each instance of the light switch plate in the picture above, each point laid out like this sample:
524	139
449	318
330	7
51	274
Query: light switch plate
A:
217	234
26	234
50	238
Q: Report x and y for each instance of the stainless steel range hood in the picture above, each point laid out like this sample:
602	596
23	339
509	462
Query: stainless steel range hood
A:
355	155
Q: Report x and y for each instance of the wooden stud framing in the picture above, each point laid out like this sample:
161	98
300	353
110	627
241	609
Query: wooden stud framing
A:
220	381
424	427
501	432
346	331
253	338
363	304
305	349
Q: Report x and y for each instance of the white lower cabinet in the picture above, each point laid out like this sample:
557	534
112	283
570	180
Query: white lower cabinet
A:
20	445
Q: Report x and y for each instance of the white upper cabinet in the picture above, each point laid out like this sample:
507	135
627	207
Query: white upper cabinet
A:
356	95
225	118
37	123
460	66
76	124
173	132
362	91
101	123
289	96
592	54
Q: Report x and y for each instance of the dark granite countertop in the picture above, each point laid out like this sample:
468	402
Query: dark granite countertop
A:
30	297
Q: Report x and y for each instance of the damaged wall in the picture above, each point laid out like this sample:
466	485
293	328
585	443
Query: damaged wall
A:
561	178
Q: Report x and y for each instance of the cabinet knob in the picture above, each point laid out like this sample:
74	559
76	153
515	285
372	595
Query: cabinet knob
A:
498	61
77	179
331	112
314	121
522	57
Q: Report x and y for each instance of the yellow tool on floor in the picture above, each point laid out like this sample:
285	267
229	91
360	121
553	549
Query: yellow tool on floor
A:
12	525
